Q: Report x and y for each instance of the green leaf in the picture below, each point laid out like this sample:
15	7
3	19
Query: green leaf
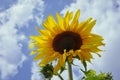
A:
91	75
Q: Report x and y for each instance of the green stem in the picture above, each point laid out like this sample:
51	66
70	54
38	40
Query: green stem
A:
70	71
60	77
48	79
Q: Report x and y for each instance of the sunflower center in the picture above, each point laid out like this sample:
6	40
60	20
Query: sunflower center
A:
67	40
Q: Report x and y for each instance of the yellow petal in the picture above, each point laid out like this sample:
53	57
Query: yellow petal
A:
43	32
92	39
60	21
95	49
71	53
82	25
89	27
76	17
40	55
75	20
70	58
86	46
67	19
86	55
62	62
49	59
50	23
75	53
79	54
36	38
57	67
99	55
43	52
64	57
75	27
31	46
33	52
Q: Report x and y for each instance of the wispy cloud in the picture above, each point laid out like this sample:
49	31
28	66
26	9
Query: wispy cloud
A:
16	16
106	12
36	72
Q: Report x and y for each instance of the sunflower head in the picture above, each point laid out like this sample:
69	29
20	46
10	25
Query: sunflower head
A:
65	39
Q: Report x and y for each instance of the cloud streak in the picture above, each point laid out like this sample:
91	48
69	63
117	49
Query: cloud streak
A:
16	16
36	72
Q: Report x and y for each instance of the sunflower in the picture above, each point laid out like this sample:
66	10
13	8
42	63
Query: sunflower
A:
65	39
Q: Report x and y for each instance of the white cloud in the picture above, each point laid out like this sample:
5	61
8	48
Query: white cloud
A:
36	72
16	16
107	14
10	68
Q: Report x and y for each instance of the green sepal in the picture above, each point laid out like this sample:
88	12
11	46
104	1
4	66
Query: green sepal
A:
85	65
47	71
62	69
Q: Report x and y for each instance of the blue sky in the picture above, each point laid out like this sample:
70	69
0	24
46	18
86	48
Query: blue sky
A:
18	19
